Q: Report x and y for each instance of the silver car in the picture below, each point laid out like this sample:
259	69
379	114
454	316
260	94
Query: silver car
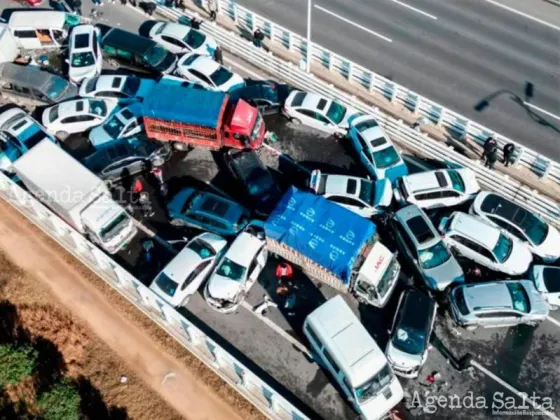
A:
497	304
422	246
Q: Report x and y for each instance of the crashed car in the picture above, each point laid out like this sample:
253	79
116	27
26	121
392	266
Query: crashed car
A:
238	270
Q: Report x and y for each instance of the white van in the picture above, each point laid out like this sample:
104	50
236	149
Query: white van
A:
39	29
353	358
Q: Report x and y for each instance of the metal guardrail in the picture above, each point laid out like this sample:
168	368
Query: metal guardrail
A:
375	83
398	131
238	376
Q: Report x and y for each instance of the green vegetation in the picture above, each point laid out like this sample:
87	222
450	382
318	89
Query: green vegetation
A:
60	402
16	363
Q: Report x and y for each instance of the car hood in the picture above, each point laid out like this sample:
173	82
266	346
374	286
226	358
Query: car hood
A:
220	287
549	250
98	136
401	359
235	82
519	260
351	113
79	74
383	193
208	47
443	275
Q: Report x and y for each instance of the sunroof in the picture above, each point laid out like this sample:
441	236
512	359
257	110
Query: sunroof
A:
420	229
442	181
116	82
352	186
322	103
80	106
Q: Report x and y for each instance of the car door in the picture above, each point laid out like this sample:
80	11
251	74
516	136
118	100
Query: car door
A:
495	319
464	247
364	153
406	246
307	117
74	123
509	229
173	45
429	200
97	53
451	198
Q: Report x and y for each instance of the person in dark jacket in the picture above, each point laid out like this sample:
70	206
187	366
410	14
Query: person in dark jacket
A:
491	157
258	37
218	56
509	154
490	143
150	8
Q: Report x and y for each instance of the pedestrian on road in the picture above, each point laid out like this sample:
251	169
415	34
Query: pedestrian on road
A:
218	56
490	143
509	154
213	8
258	37
195	24
150	8
491	157
179	4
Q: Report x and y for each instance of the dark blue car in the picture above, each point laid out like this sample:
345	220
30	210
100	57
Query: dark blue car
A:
268	97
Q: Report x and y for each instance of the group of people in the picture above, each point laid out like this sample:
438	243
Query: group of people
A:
490	154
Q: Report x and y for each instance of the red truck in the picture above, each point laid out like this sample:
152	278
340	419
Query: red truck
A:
195	117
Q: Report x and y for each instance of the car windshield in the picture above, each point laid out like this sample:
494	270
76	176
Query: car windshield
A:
112	229
535	229
57	88
457	181
131	86
53	113
519	297
221	76
83	59
434	256
155	55
386	157
168	286
367	191
336	112
114	127
231	270
410	341
194	39
202	249
503	248
375	385
98	107
551	279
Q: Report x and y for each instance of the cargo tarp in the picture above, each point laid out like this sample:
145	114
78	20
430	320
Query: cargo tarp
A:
324	232
170	102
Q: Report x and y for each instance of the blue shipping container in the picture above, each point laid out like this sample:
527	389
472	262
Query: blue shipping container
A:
324	232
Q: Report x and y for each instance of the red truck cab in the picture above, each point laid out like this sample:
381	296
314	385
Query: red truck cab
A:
190	117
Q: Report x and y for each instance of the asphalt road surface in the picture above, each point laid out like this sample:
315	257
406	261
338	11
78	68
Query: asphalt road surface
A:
455	52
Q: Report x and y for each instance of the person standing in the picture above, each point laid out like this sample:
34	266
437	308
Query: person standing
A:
489	144
258	37
509	154
491	157
213	8
218	56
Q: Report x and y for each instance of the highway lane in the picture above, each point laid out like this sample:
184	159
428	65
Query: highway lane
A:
472	51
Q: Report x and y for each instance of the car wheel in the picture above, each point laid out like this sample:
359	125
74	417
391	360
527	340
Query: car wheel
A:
61	135
295	121
177	222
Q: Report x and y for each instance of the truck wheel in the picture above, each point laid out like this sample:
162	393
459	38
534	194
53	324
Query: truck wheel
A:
62	135
181	147
177	222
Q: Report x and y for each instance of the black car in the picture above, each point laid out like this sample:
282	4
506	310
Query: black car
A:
121	158
268	96
259	184
127	49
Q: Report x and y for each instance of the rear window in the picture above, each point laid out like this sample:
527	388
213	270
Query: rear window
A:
519	297
298	99
457	181
420	229
364	125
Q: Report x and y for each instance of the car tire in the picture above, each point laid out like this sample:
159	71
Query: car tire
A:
177	222
295	121
61	135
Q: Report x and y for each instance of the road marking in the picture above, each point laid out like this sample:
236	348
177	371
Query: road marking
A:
520	394
553	320
279	330
352	23
517	12
550	114
415	9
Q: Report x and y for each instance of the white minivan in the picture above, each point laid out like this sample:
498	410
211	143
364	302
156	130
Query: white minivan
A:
353	358
39	29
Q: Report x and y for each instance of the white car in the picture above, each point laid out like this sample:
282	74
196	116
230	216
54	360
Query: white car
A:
182	39
478	241
76	116
182	277
361	196
517	222
84	53
209	73
237	271
120	87
376	151
318	112
547	281
439	188
124	122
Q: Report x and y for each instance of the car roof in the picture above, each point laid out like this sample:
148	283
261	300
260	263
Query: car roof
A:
418	225
350	343
175	29
426	181
127	40
487	296
9	116
315	102
210	203
244	248
73	107
474	228
110	82
342	185
176	269
83	30
205	65
27	76
415	309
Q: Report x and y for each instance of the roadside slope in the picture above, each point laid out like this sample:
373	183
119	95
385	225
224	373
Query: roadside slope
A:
181	390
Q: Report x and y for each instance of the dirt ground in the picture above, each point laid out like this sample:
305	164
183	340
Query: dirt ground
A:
103	337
